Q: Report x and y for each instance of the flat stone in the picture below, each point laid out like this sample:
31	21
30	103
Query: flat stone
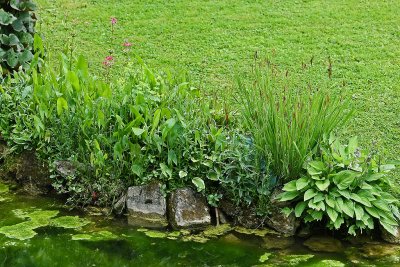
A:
188	209
379	250
277	242
323	244
147	207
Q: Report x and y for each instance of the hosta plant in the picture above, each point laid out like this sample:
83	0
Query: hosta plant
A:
345	187
17	28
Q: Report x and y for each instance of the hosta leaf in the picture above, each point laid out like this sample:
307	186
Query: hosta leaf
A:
348	208
373	177
344	179
6	18
313	172
61	105
298	210
330	201
290	186
25	56
372	211
387	167
317	165
360	199
390	228
332	214
323	185
352	230
285	196
319	197
199	183
380	204
359	211
317	215
138	131
388	198
344	193
310	193
339	221
302	183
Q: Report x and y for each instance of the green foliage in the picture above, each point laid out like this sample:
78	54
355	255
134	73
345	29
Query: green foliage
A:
346	187
287	123
17	30
148	127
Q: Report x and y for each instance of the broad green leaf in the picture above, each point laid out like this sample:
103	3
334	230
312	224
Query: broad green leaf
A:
387	167
359	211
285	196
344	179
353	144
348	208
339	221
380	204
312	171
302	183
61	105
73	80
182	174
317	165
372	211
310	193
156	119
199	183
373	177
323	185
138	131
330	201
390	228
360	199
290	186
6	18
319	197
332	214
298	210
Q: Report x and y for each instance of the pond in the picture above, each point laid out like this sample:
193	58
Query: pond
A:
40	231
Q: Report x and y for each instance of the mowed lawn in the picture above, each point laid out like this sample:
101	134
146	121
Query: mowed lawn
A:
215	40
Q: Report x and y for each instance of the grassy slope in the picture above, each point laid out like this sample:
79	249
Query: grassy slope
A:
213	39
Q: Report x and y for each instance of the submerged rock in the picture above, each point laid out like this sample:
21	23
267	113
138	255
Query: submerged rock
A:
277	242
147	206
330	263
188	209
388	237
323	244
379	250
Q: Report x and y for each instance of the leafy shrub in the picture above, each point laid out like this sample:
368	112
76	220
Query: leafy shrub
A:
149	127
17	28
287	123
344	186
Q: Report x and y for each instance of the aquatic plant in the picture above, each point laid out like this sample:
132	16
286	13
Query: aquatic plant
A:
95	236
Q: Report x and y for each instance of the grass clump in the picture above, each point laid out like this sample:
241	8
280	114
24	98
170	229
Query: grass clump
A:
287	122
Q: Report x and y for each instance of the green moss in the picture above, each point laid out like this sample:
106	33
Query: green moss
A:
20	231
70	222
329	263
265	257
4	188
215	231
293	260
195	238
95	236
257	232
155	234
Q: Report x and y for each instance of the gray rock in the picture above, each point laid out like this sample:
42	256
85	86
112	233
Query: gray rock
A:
388	237
65	168
286	225
120	205
146	206
277	242
323	244
188	209
379	250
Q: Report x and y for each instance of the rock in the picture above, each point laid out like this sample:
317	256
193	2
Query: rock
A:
120	205
231	239
388	237
147	207
274	199
379	250
323	244
277	242
304	232
188	209
31	175
65	168
286	225
245	216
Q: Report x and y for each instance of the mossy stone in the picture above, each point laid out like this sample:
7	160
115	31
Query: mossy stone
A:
4	188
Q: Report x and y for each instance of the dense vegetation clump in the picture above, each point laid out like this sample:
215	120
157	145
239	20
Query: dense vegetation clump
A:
17	29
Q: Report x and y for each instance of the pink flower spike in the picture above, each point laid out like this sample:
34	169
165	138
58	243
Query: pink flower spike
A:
113	20
109	58
127	44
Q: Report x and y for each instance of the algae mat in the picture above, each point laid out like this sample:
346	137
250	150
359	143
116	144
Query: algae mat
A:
41	232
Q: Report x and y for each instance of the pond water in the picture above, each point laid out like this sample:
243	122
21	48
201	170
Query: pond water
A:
38	231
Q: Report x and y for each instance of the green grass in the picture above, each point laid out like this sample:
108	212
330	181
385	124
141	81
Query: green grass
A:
216	39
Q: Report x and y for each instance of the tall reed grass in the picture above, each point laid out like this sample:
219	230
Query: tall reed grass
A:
287	122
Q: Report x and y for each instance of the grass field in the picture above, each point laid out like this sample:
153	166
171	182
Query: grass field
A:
216	39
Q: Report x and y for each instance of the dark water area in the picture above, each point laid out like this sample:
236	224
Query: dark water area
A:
46	234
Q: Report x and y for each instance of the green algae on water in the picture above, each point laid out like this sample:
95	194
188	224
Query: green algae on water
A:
257	232
20	231
329	263
293	260
155	234
95	236
69	222
265	257
215	231
4	188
